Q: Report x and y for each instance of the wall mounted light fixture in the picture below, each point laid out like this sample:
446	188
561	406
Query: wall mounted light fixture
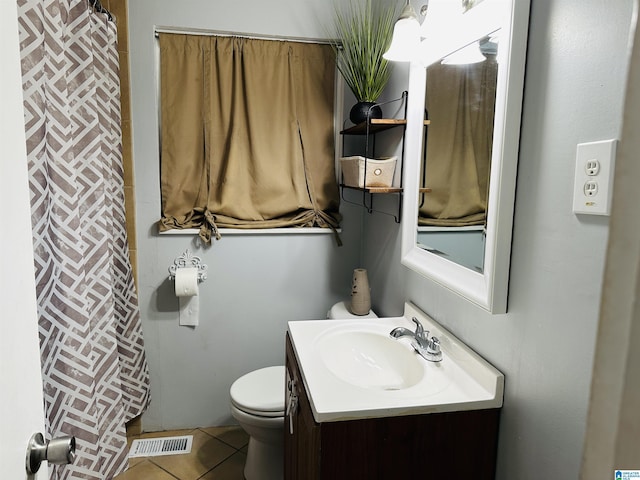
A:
406	36
465	56
448	26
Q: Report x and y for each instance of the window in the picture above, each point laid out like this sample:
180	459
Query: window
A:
247	134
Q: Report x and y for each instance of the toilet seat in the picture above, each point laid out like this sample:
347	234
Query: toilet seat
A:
260	392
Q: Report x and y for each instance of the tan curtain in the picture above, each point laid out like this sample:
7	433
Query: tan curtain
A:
247	134
461	105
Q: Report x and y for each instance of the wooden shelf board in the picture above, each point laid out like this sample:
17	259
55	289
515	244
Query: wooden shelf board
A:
374	189
424	190
376	125
387	121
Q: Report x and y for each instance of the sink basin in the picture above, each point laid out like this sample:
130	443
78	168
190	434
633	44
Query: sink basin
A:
353	369
369	360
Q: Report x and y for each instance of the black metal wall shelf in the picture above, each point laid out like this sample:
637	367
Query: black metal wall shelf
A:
370	129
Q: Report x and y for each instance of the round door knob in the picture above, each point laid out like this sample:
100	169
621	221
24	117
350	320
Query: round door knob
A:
58	451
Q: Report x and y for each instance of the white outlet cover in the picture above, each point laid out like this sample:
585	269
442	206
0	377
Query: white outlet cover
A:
587	199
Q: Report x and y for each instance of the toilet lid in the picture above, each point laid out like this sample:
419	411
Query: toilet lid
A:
260	392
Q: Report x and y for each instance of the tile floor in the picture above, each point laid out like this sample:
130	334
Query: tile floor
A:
217	453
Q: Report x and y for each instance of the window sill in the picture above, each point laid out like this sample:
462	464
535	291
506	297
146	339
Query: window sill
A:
257	231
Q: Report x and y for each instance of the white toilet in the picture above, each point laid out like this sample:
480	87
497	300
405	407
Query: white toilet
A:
341	310
257	403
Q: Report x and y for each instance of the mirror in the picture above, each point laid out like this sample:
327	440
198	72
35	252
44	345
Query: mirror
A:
454	171
461	236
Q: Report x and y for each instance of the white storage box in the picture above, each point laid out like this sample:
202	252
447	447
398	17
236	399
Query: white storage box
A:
379	172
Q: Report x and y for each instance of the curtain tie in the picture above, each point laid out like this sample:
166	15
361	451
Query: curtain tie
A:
323	219
208	227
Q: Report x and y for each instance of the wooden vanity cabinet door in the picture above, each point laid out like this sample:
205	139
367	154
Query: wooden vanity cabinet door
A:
454	445
302	447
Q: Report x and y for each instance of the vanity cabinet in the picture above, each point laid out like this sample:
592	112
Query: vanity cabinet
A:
434	446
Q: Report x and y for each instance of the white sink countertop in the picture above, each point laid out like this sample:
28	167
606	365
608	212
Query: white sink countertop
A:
353	369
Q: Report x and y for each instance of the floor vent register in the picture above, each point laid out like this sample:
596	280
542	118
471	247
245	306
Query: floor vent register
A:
153	447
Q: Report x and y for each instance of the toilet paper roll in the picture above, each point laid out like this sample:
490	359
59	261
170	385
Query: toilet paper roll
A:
186	282
186	287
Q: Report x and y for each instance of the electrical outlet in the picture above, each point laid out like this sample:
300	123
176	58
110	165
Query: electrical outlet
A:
593	182
591	188
592	167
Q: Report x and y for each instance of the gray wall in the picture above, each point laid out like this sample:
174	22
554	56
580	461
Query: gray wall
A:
574	91
256	282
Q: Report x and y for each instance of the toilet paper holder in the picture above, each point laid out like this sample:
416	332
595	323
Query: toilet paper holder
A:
188	260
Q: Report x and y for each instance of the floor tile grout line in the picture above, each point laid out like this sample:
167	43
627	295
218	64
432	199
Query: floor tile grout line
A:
235	450
150	459
218	465
155	465
221	440
164	470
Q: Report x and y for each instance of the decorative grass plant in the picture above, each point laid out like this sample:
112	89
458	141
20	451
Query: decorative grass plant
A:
362	33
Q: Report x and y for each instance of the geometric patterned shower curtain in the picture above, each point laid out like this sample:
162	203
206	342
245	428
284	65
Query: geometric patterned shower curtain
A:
93	361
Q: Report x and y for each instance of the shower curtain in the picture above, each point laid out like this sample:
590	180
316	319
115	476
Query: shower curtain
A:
93	362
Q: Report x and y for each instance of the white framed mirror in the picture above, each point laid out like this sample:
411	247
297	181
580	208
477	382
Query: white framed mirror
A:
478	271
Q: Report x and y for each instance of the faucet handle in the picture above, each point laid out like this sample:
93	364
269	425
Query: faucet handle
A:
434	345
419	328
433	352
421	335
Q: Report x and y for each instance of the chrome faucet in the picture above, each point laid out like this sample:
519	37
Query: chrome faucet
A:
427	347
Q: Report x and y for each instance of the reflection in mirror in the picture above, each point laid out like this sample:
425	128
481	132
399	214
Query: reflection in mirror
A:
469	163
460	102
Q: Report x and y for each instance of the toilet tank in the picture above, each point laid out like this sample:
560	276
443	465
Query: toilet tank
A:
341	311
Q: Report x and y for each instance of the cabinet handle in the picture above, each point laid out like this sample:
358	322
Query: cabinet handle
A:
292	401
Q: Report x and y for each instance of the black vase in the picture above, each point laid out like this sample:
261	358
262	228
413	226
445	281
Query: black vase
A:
362	111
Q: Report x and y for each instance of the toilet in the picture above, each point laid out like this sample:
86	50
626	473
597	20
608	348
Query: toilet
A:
341	311
257	403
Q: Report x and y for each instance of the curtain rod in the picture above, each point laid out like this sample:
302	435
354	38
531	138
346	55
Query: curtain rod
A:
220	33
97	7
